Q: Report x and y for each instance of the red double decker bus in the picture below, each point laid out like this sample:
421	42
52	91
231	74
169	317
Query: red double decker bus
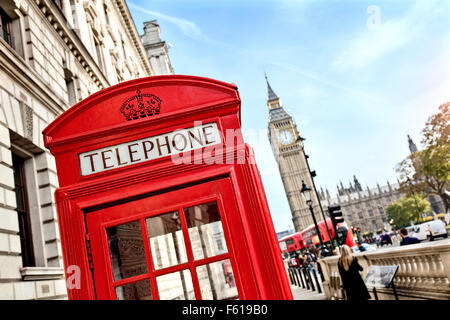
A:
311	238
291	244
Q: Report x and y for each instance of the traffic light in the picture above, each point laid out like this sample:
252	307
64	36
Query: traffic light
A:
336	217
336	214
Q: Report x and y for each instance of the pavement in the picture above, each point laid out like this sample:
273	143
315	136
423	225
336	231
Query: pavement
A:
301	293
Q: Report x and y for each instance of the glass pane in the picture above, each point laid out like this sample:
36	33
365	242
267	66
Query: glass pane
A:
205	230
217	281
135	291
126	249
166	240
176	286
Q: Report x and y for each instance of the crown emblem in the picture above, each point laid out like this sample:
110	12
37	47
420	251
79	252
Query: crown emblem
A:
140	106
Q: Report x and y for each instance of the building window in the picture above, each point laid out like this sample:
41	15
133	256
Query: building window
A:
220	245
73	8
360	214
23	212
105	9
380	209
119	76
6	28
357	206
71	91
98	52
123	50
70	86
371	213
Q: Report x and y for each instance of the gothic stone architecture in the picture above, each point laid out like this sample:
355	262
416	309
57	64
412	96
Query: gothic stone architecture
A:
363	208
52	55
287	146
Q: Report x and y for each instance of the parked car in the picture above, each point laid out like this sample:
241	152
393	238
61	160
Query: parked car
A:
429	230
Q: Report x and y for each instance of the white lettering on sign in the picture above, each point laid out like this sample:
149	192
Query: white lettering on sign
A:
146	149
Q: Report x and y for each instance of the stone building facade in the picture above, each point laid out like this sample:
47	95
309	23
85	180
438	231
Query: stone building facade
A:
52	55
157	50
363	208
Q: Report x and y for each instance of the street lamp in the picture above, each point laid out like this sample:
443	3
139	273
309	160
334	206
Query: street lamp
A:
306	191
301	140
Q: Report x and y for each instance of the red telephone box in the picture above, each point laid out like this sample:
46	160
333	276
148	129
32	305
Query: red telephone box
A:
160	197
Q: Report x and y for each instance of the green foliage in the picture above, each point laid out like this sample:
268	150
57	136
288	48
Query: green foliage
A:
428	171
408	209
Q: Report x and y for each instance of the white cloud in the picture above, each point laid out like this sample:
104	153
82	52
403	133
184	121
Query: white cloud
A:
189	28
372	44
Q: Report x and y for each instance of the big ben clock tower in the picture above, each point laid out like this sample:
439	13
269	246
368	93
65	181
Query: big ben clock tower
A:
287	146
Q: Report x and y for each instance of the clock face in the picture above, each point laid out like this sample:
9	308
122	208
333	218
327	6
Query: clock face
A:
286	137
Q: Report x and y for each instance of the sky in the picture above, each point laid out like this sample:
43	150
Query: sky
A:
356	76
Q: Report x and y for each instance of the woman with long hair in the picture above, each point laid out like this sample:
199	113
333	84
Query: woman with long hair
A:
349	268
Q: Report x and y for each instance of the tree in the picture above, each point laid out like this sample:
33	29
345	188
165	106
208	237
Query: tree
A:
408	209
427	171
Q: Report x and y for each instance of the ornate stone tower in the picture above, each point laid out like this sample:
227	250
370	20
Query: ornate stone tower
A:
287	146
412	145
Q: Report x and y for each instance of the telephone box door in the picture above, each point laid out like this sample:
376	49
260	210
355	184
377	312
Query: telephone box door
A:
185	243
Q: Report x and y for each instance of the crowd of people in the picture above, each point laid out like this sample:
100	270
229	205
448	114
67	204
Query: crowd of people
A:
399	237
305	260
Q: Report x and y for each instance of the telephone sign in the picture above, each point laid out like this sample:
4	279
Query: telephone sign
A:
147	149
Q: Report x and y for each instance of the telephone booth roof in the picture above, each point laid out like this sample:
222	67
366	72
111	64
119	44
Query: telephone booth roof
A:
105	118
180	95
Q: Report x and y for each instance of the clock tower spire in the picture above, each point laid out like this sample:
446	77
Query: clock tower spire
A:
287	146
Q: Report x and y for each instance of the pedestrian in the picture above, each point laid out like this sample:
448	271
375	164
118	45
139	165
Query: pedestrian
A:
360	247
406	239
306	261
324	252
312	261
351	279
301	261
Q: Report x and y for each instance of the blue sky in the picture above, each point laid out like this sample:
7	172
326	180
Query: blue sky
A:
357	76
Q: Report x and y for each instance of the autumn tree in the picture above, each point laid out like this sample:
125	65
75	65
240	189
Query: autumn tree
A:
427	171
408	209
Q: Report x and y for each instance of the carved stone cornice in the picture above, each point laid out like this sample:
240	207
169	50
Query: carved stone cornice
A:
56	18
128	21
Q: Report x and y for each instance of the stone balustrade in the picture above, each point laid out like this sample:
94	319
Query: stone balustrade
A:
424	271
